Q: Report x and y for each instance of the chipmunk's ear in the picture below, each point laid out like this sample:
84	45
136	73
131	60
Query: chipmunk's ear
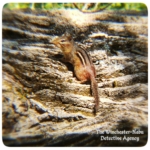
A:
68	35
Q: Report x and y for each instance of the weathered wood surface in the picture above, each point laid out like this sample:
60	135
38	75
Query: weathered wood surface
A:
45	105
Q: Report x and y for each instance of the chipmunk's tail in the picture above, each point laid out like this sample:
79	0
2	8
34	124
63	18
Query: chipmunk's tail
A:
94	88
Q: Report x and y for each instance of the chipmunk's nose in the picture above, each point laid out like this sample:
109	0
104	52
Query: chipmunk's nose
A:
54	40
51	41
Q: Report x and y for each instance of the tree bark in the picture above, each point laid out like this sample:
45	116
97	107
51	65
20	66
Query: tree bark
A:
45	105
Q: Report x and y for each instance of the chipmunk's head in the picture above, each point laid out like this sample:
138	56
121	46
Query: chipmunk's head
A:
63	42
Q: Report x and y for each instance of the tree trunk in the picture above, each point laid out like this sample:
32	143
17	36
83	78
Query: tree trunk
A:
43	102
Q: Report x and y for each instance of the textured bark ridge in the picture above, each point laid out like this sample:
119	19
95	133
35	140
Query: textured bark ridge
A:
44	104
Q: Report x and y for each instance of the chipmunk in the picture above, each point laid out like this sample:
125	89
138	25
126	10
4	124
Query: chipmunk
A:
81	61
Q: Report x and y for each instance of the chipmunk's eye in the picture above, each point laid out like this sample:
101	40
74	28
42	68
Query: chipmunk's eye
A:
62	41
